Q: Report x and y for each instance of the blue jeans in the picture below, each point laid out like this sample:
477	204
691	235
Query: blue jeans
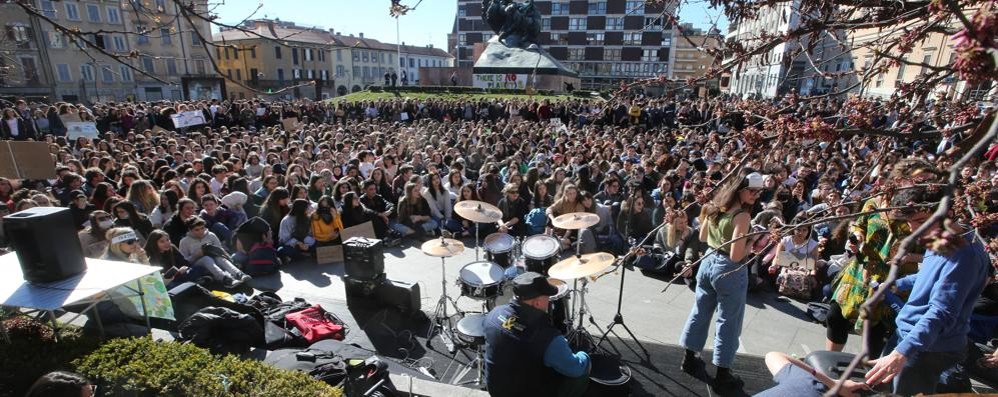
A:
721	287
920	374
427	226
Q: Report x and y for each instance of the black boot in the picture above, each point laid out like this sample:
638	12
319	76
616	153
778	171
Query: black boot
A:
725	380
690	362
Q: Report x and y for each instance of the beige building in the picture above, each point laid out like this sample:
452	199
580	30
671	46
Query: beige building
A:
315	63
22	57
166	47
691	58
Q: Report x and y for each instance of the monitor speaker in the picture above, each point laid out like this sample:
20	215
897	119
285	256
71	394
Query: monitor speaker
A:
363	258
46	243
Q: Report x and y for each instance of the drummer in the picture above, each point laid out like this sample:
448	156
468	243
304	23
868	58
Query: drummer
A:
524	353
514	211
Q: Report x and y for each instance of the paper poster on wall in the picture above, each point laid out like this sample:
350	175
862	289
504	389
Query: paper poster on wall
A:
81	128
499	80
187	119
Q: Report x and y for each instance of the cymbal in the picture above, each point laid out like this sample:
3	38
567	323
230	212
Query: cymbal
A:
581	266
478	211
575	220
442	247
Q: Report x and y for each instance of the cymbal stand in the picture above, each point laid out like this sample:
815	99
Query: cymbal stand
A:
440	318
579	336
618	317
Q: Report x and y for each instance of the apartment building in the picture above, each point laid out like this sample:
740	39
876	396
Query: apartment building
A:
692	59
770	74
607	42
22	63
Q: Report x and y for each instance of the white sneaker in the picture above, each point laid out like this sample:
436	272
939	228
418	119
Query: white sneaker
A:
245	278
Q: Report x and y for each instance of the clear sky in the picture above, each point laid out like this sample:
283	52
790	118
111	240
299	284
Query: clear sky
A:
429	23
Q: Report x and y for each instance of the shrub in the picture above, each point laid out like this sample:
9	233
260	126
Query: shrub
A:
33	352
143	367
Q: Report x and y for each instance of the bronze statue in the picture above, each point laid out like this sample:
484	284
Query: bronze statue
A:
517	24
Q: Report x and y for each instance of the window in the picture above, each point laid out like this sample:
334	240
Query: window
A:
461	12
611	54
666	40
252	52
126	73
412	64
325	75
322	55
559	8
595	38
296	73
101	41
93	13
649	55
356	56
653	23
63	71
72	12
277	52
171	67
21	35
382	57
308	54
614	23
632	38
364	56
545	24
239	74
148	65
635	7
280	75
340	70
106	75
391	58
113	15
577	23
462	39
598	8
48	9
87	73
195	39
119	43
161	5
235	52
56	40
339	55
559	38
310	74
199	66
356	71
165	34
576	54
254	74
926	60
900	77
143	37
367	72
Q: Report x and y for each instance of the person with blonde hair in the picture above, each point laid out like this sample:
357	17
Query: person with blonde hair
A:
143	195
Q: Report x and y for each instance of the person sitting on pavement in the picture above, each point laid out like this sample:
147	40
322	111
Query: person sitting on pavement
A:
202	248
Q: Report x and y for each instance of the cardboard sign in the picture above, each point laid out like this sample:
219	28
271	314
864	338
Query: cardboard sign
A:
289	123
786	259
85	129
70	118
334	253
261	111
157	130
499	80
26	160
187	119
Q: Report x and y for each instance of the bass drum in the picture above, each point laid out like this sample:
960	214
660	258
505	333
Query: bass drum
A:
560	306
541	252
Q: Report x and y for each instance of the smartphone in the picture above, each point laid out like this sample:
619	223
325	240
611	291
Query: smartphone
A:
170	273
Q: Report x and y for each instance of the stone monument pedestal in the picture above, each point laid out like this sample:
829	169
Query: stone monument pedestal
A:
501	66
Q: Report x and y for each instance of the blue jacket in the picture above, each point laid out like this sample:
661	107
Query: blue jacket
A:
943	292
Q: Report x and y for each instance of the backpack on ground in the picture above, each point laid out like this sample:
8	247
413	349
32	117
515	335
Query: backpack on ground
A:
316	324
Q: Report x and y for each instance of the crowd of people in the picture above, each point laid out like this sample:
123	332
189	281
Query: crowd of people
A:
216	203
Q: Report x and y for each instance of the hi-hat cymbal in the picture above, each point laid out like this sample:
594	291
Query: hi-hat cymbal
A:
581	266
575	220
442	247
478	211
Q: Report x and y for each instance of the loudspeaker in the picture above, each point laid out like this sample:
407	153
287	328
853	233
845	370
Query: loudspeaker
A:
363	258
400	295
362	287
46	243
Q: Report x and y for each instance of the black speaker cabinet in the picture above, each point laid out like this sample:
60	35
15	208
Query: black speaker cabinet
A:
399	294
46	243
363	258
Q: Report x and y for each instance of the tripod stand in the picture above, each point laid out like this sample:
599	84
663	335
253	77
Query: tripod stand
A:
618	318
440	316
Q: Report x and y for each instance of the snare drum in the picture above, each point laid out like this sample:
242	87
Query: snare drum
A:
541	252
481	280
498	247
559	306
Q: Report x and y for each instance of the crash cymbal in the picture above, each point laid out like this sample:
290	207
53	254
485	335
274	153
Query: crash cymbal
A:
478	211
584	266
575	220
442	247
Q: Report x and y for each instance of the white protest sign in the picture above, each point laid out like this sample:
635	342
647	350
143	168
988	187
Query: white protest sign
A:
187	119
77	129
509	80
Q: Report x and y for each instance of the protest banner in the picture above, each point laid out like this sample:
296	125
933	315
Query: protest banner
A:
81	128
187	119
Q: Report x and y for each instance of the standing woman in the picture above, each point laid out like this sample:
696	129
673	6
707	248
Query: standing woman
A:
721	282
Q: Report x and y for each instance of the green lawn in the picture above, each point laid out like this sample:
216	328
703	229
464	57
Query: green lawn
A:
373	96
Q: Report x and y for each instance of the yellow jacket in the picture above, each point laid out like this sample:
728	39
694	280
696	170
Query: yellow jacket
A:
322	231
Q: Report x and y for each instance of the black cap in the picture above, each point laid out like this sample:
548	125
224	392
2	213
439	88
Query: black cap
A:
77	193
530	285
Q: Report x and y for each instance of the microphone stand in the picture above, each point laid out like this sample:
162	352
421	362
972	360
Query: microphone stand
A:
618	318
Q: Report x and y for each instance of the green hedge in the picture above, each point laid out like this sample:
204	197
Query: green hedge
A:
455	90
143	367
33	352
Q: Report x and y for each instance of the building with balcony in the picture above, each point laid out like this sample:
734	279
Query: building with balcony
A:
23	71
692	58
606	42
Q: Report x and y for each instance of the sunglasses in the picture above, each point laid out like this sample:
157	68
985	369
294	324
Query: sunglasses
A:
130	242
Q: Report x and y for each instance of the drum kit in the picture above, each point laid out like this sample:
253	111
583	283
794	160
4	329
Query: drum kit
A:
489	281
